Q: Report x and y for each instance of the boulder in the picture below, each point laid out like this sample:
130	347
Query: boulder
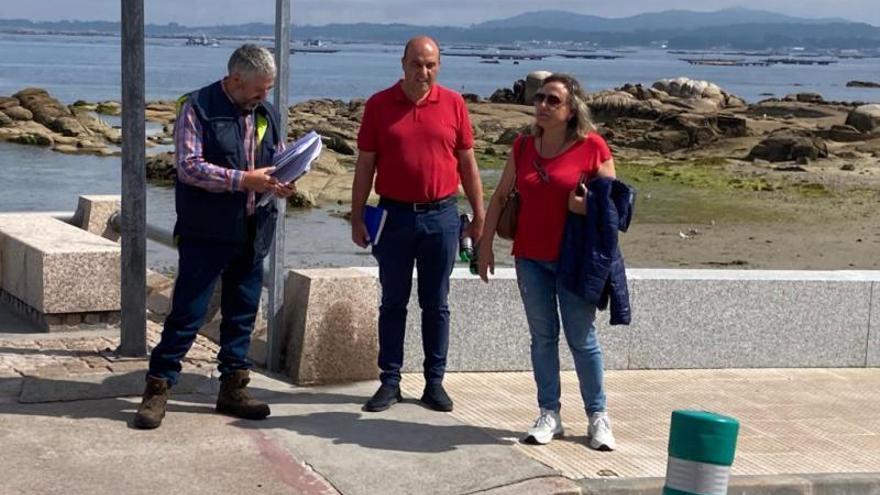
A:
684	87
328	163
109	108
862	84
162	112
160	167
841	134
809	98
94	124
519	92
534	81
783	148
787	109
8	101
865	118
515	95
5	120
608	105
674	131
733	101
503	95
34	138
302	199
44	107
642	93
69	126
732	125
18	113
338	144
663	141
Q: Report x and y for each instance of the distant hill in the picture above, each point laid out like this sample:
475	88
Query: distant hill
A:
736	28
669	19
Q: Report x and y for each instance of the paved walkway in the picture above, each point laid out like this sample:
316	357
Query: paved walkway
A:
794	422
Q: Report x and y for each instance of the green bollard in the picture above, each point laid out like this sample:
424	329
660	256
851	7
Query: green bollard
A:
701	450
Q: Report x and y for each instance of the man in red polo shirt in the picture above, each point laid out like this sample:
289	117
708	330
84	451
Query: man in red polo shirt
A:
416	139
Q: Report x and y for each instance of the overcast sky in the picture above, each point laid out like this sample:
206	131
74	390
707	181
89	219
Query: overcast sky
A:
434	12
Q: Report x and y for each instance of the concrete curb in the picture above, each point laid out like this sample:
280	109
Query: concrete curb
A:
556	485
793	484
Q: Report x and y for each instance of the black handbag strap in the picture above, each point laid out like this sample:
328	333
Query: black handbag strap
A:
521	145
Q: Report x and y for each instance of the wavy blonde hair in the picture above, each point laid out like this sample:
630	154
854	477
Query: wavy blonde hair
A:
580	124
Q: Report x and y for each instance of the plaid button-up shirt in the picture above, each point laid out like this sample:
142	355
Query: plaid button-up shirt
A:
192	169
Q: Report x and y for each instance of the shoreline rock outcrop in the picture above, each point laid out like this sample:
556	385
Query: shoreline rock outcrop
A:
672	118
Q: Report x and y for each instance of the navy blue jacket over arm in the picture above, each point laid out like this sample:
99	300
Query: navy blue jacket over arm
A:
590	262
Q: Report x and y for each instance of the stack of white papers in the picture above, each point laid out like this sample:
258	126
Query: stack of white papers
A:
295	161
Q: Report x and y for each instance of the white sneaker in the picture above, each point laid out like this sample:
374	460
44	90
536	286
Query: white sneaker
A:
599	433
547	427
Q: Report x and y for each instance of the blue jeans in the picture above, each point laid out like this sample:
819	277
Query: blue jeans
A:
544	300
427	240
201	263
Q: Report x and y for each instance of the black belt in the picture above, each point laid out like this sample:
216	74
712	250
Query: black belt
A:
417	207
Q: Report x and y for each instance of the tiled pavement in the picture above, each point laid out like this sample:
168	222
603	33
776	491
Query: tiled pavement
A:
793	421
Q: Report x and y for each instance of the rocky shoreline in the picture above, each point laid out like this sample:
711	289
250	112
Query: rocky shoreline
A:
672	119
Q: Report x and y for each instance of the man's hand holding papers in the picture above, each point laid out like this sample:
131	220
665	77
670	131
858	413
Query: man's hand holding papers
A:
292	163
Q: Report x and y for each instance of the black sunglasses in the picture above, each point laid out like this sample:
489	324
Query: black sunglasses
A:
551	101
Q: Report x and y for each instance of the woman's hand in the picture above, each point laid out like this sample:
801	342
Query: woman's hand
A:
486	261
577	200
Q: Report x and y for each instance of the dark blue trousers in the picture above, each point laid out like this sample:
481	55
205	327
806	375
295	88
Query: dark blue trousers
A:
427	240
201	263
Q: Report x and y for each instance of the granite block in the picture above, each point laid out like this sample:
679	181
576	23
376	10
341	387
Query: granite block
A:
489	331
55	267
21	268
873	355
330	320
720	322
93	214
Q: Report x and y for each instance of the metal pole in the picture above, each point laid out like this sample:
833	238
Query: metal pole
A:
276	256
133	339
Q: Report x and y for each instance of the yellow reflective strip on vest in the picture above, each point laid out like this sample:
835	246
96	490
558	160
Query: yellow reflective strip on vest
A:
262	125
179	104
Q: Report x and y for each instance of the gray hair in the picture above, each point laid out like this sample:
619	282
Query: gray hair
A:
252	60
580	124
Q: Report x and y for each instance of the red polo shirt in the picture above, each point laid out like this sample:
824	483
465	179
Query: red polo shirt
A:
544	205
416	145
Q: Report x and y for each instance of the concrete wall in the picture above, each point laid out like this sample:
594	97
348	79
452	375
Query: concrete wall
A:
681	319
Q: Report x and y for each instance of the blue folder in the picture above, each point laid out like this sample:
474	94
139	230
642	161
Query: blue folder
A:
375	217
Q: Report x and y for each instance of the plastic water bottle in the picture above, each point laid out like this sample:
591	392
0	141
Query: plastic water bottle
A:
466	250
465	243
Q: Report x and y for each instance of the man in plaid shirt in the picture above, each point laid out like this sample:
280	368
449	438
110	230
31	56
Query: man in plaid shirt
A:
225	138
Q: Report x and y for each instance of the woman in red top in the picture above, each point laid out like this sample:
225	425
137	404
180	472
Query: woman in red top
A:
546	168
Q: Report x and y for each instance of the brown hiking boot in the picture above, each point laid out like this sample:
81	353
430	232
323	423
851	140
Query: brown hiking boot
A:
152	409
235	400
